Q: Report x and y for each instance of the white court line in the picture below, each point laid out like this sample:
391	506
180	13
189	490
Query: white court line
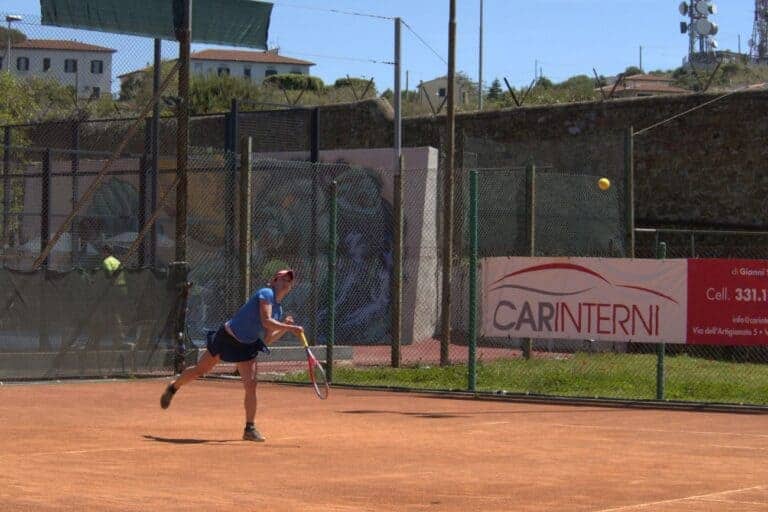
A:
78	452
732	502
687	498
659	431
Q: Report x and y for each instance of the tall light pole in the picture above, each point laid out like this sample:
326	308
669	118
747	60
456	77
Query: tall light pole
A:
480	72
10	18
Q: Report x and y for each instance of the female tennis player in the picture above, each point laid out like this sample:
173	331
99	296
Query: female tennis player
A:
256	324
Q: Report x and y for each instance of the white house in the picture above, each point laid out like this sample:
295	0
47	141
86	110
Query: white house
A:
86	67
254	66
434	92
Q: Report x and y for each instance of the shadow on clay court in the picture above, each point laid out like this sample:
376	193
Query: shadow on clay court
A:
174	440
464	414
428	415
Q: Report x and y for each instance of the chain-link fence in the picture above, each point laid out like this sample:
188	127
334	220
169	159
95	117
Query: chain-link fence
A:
605	369
67	311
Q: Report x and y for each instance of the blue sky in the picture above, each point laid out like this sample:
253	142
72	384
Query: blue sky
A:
566	37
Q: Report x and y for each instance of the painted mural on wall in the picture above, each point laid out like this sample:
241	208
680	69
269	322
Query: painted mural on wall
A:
283	236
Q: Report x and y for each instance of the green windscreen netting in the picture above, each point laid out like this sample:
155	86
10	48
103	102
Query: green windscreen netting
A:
227	22
81	324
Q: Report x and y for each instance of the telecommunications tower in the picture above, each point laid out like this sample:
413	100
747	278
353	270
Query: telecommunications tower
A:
758	44
700	29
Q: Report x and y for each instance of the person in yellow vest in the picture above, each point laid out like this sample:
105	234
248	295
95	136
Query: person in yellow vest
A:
116	295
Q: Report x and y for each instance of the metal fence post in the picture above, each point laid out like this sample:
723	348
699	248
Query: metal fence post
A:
333	243
473	260
75	164
231	142
45	214
661	253
246	147
629	188
6	184
143	170
530	182
314	154
397	279
45	234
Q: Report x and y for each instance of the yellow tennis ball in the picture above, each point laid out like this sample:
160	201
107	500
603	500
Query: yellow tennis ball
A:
603	183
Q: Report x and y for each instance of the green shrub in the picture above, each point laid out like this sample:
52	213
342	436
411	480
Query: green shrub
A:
295	82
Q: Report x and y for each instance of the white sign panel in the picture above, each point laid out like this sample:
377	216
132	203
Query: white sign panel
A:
608	299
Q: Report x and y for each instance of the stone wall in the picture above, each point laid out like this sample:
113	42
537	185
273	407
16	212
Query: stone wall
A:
703	169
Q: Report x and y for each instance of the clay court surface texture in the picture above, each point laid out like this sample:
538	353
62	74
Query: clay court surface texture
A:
107	446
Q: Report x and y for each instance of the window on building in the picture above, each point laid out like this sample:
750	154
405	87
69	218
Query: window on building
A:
296	72
223	71
247	73
70	65
270	72
441	92
22	64
1	63
97	67
95	92
46	64
199	68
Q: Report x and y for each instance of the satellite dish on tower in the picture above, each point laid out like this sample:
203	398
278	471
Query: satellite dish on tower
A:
713	43
703	27
683	8
683	27
703	7
715	29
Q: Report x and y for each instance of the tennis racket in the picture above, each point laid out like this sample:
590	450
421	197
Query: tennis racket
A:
316	371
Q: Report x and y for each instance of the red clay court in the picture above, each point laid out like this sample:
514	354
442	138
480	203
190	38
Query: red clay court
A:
107	446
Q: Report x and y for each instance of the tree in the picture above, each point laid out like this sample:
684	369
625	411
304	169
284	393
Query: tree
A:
16	103
544	83
295	82
16	37
633	70
495	92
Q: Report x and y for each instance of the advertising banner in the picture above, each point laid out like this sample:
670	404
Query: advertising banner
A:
731	299
696	301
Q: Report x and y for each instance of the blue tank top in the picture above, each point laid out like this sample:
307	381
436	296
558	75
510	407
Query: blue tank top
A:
246	323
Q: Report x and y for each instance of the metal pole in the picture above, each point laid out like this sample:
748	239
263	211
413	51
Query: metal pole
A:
473	259
445	340
641	58
246	147
333	243
184	36
661	254
6	184
629	187
155	151
144	167
45	213
398	97
530	178
142	213
45	234
397	279
314	147
8	51
230	249
75	164
480	72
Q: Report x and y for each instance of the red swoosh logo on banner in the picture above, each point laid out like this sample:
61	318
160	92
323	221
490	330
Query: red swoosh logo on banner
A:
578	268
654	292
554	266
